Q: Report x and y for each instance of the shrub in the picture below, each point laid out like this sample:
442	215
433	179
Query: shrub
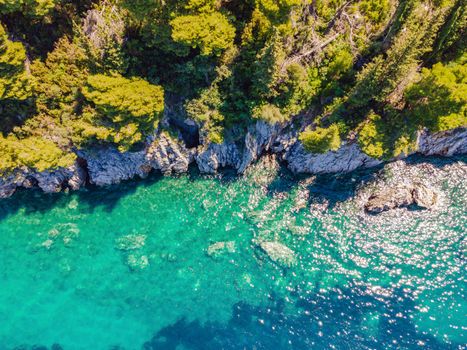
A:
321	140
129	108
34	152
211	33
438	101
370	138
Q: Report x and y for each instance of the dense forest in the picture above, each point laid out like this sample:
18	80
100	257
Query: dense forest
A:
79	73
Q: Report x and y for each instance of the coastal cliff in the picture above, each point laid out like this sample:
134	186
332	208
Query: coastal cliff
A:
170	155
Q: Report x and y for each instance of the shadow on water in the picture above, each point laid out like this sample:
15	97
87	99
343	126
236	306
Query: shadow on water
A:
335	188
332	188
345	319
91	197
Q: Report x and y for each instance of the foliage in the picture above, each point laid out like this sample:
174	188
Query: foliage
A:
36	153
438	101
29	7
375	10
15	85
211	33
128	107
370	137
75	73
321	140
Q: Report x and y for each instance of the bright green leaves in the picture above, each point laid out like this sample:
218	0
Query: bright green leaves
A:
203	27
129	108
28	7
33	152
375	10
438	101
14	80
211	33
370	137
277	10
58	80
321	140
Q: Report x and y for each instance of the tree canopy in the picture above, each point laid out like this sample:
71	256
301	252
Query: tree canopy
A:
76	74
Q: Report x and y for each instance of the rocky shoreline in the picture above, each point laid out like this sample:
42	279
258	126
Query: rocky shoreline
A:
169	155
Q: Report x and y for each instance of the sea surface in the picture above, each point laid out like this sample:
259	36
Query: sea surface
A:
127	267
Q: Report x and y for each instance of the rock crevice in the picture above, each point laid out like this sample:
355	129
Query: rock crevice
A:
169	155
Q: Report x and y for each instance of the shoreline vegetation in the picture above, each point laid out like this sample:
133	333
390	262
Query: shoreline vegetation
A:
221	82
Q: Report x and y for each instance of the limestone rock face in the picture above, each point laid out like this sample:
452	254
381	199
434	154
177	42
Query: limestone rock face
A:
106	166
109	166
49	181
216	156
278	253
445	143
8	185
347	158
259	138
169	156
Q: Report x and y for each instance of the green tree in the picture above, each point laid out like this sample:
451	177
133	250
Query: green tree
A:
211	33
28	7
33	152
15	84
321	140
439	100
128	108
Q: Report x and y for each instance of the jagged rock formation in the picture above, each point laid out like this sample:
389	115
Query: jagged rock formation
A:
169	156
401	196
347	158
49	181
446	143
106	166
400	185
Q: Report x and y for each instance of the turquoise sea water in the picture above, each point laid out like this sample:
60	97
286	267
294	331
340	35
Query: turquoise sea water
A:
394	281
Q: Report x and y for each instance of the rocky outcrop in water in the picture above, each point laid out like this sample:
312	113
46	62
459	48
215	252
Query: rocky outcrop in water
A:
400	185
401	196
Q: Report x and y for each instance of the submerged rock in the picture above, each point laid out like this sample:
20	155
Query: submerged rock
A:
279	253
130	242
137	262
220	248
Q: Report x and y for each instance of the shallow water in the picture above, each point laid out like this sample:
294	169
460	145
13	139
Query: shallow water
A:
359	282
